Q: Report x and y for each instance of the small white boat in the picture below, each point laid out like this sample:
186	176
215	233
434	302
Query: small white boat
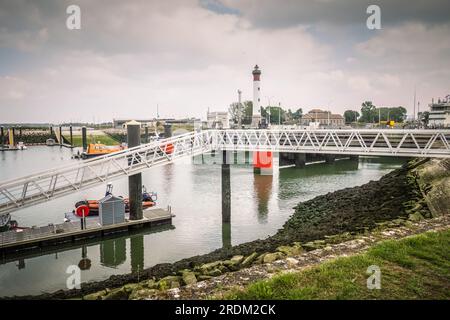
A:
21	146
50	142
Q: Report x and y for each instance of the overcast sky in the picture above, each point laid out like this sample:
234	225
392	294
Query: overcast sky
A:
188	55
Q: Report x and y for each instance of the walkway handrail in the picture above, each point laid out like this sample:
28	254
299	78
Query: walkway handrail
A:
57	182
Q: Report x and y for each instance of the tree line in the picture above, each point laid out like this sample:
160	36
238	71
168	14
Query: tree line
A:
368	113
372	114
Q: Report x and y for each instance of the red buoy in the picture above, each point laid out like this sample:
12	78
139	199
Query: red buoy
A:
82	211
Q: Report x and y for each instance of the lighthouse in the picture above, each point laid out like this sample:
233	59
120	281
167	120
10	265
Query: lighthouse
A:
256	116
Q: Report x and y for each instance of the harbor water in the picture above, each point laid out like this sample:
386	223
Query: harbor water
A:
260	205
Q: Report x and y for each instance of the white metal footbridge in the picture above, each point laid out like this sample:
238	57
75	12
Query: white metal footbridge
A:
46	185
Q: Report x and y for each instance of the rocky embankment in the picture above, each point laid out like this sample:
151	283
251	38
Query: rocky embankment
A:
417	191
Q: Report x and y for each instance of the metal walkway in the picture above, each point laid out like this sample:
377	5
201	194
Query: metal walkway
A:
46	185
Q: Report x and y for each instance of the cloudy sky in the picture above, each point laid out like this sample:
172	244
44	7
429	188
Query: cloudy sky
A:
190	55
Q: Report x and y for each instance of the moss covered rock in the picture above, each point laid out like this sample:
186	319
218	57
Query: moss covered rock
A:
249	259
117	294
271	257
96	295
189	277
142	294
169	282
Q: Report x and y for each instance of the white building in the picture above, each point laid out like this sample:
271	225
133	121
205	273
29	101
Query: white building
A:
440	113
218	120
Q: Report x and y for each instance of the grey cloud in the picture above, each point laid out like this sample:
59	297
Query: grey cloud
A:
339	13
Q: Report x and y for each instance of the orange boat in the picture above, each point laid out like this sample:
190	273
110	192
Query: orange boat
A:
99	149
148	200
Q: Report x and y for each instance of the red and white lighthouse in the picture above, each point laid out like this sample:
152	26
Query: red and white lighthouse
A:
256	115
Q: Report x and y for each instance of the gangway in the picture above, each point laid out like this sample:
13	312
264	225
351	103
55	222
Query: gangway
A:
49	184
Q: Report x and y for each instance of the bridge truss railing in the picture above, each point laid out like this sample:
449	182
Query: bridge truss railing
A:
388	142
46	185
49	184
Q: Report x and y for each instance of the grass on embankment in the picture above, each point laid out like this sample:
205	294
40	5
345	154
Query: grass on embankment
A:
105	139
412	268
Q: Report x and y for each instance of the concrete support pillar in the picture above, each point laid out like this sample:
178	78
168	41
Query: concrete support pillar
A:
60	136
2	137
300	160
146	135
226	189
134	181
329	158
167	130
71	135
226	235
84	138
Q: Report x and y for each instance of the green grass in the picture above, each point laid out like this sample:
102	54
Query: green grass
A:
413	268
105	139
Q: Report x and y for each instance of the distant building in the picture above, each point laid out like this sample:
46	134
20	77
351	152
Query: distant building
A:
120	123
440	113
324	118
151	123
218	120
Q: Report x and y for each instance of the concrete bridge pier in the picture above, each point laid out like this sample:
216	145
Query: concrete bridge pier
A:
2	137
297	159
300	160
61	141
146	135
226	235
134	181
329	158
167	130
71	135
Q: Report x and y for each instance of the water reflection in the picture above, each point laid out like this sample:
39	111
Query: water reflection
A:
168	177
137	253
263	190
85	262
113	252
